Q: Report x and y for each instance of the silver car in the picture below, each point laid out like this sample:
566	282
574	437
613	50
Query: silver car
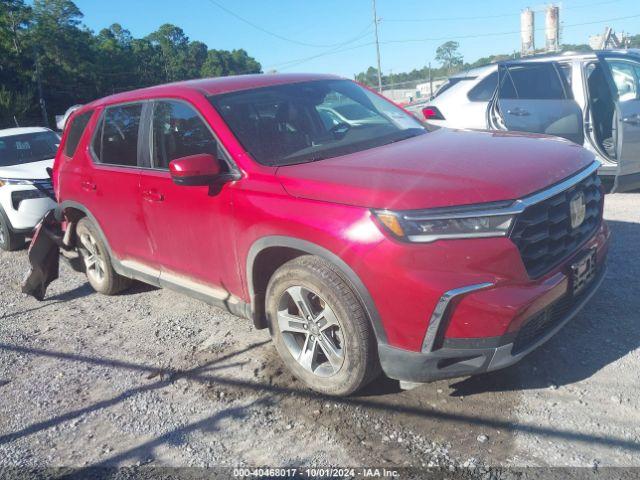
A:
592	99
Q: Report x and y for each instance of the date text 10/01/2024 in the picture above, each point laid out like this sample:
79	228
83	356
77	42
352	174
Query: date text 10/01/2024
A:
315	472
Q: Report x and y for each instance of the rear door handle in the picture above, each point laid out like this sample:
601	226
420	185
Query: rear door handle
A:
88	186
518	112
152	196
632	120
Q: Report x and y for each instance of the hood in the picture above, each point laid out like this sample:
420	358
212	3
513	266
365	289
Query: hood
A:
27	171
439	169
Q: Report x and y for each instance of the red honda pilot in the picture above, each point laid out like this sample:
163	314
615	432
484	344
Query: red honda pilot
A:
320	210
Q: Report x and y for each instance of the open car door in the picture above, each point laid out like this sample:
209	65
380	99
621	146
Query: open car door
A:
535	97
623	74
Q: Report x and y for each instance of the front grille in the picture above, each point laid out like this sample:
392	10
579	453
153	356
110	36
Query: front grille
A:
543	322
543	232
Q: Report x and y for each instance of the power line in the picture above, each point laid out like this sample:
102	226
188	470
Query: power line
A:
497	34
489	17
293	63
274	34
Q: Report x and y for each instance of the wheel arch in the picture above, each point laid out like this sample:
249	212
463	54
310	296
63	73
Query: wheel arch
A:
267	254
79	211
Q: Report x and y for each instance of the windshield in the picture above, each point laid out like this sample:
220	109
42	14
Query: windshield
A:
310	121
27	148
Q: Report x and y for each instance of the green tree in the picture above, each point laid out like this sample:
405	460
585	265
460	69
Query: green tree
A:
15	107
448	56
76	66
220	63
64	52
114	61
174	47
196	56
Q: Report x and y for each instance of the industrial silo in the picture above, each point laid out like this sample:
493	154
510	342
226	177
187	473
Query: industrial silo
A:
552	28
527	32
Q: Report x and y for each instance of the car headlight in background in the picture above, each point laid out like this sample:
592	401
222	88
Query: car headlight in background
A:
14	181
424	226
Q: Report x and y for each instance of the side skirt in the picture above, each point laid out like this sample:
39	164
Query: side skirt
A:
213	296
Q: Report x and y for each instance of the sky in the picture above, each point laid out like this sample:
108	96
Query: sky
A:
336	36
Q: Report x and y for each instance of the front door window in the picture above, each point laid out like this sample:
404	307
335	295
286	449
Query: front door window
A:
178	131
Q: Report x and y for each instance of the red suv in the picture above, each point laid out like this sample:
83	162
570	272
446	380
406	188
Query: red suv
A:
322	211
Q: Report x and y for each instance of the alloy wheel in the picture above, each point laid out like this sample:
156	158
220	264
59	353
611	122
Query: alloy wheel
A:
311	331
94	263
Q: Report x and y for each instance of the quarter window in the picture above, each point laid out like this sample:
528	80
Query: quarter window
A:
116	141
178	131
76	129
483	91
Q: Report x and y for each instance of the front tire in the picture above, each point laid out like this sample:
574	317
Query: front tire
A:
97	262
319	327
9	240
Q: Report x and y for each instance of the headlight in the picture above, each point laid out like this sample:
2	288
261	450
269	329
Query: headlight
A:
482	221
14	181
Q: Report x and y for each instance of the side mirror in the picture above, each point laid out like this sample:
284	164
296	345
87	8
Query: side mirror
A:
195	170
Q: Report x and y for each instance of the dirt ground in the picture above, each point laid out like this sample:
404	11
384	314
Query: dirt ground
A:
152	377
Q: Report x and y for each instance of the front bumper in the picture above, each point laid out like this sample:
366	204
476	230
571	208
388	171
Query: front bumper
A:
29	211
464	357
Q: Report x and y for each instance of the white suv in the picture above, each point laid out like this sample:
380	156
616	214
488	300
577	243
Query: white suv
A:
592	99
26	193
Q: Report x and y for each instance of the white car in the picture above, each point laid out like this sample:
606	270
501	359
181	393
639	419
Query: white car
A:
592	99
26	193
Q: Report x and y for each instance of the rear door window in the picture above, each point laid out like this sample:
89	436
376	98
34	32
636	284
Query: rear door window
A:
178	131
534	81
116	140
76	129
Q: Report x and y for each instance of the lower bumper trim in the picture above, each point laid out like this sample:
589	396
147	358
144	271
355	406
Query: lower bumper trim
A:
477	357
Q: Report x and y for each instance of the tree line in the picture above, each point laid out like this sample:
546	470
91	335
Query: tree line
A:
450	62
46	51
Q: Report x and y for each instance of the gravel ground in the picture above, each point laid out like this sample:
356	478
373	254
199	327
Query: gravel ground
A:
152	377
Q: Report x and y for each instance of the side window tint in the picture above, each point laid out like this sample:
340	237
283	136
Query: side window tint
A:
567	72
507	90
537	81
625	77
76	129
116	141
483	91
178	131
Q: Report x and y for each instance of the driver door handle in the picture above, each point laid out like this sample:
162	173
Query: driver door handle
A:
152	196
518	112
632	120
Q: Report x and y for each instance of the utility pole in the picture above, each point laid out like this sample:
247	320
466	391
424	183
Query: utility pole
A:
375	24
430	82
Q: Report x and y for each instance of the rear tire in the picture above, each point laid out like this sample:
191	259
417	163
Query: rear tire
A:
97	262
9	240
319	327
